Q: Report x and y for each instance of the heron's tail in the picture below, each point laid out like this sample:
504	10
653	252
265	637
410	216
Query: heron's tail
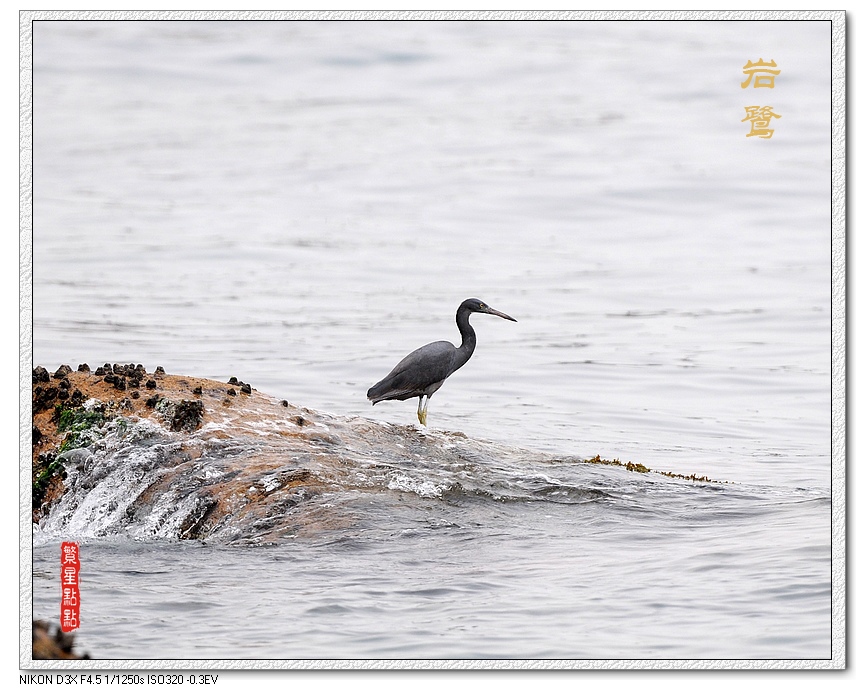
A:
386	390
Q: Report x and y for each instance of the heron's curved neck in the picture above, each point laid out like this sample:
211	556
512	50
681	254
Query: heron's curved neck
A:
468	333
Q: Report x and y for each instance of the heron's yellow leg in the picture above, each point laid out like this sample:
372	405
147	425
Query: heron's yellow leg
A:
421	409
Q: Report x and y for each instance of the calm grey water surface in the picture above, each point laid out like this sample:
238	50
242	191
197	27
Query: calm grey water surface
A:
299	204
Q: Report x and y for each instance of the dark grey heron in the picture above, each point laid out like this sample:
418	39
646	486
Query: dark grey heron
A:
422	373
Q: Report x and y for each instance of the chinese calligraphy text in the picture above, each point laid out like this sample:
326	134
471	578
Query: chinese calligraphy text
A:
762	75
759	116
760	72
70	605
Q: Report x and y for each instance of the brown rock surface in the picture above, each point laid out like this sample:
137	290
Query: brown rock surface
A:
236	457
58	645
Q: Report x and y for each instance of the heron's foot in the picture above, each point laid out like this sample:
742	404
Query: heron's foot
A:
421	415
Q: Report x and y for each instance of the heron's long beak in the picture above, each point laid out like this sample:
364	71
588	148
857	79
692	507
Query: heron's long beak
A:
495	312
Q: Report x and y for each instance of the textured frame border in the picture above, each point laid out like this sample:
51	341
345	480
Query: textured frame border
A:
838	335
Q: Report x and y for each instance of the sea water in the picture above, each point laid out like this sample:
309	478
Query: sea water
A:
300	204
